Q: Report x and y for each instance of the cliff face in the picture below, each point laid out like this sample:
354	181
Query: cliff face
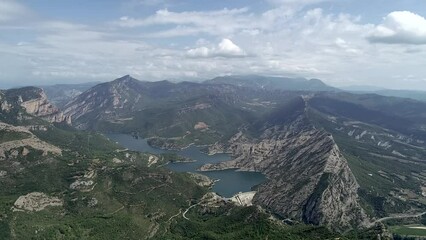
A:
309	179
40	106
34	101
4	105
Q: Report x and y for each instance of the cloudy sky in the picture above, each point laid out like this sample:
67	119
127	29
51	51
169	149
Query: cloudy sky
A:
342	42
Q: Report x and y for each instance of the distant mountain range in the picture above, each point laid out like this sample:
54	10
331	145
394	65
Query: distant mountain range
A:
60	94
413	94
273	83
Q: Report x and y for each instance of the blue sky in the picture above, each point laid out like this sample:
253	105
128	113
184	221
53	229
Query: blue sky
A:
343	42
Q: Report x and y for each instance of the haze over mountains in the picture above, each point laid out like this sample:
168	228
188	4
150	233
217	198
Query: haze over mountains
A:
60	94
414	94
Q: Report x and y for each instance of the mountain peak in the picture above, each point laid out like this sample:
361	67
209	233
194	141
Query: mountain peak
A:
126	78
317	81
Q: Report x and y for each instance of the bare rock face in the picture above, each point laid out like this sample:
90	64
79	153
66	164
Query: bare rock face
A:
5	106
34	101
202	180
309	179
40	106
9	149
201	126
36	201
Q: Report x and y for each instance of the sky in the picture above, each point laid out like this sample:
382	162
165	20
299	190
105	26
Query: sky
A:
342	42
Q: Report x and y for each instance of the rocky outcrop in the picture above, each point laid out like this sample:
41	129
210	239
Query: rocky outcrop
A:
243	198
5	106
84	183
201	180
35	143
40	106
19	147
201	126
36	201
10	128
309	179
33	101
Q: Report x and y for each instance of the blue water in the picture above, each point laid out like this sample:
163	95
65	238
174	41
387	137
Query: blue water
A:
230	181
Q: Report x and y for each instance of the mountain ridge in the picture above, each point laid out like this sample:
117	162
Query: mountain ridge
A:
296	150
273	83
337	128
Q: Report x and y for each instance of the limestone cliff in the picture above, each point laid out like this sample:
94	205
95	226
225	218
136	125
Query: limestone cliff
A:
39	106
309	179
34	101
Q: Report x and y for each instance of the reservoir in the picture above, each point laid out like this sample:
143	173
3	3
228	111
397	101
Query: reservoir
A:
230	181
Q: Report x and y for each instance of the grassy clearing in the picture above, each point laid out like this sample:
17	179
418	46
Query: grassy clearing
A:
409	230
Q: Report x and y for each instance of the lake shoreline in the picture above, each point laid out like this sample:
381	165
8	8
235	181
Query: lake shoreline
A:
229	181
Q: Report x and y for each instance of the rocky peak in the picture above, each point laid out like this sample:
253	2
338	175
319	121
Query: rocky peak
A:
127	79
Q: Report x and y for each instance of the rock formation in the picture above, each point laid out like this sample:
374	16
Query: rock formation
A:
34	101
40	106
309	179
19	147
36	201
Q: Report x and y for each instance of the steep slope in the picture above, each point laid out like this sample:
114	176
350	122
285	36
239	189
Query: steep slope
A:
273	83
104	101
176	113
61	94
378	153
385	149
402	115
34	101
309	179
117	101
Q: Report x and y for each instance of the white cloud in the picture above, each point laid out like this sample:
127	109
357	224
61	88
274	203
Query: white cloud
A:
218	23
199	52
151	2
280	40
11	10
165	16
297	5
296	2
402	27
226	48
